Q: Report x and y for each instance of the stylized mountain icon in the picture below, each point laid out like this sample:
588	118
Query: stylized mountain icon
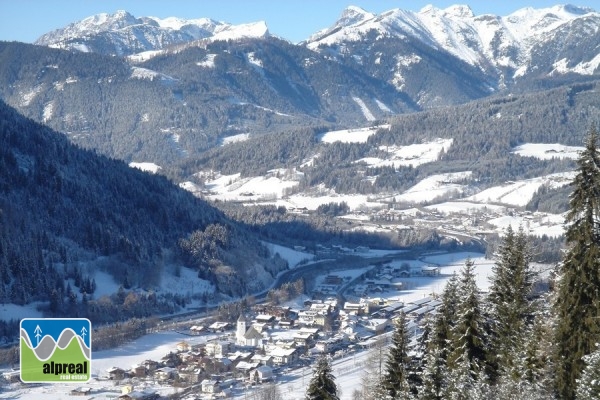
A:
46	347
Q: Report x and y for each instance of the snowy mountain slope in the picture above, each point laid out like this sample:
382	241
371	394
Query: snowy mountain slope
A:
526	41
123	34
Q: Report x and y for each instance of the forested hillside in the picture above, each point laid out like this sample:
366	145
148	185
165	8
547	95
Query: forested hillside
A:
483	133
60	204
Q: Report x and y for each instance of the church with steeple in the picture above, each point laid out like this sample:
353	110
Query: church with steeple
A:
246	335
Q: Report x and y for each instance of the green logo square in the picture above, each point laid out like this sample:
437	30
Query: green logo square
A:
56	349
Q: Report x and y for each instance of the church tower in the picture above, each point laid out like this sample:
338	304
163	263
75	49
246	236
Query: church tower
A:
240	332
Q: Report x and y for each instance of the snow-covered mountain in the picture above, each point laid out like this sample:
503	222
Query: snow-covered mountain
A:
558	39
123	34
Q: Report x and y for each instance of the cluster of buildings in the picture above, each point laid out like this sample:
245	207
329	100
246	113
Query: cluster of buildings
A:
257	350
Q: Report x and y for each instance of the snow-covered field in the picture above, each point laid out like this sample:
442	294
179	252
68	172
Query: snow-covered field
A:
547	151
351	135
410	155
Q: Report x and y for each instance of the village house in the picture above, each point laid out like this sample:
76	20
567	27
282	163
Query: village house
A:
283	356
191	374
210	386
12	376
245	367
165	373
263	373
150	365
266	319
263	359
286	323
376	325
183	346
137	395
356	308
138	370
218	348
116	373
81	391
219	326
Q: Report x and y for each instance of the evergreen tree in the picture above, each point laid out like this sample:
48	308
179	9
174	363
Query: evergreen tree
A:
398	364
435	371
578	295
372	387
588	386
468	336
322	385
510	301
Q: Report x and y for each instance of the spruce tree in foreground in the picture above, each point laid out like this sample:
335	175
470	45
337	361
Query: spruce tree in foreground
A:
397	366
577	305
511	304
468	336
588	386
322	385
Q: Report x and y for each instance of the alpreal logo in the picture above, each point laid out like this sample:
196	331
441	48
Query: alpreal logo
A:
56	349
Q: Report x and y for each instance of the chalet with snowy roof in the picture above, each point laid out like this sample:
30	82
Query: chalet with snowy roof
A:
190	374
245	367
12	376
183	346
81	391
116	373
264	373
150	365
377	325
138	370
286	323
210	386
262	359
265	319
165	373
430	270
282	356
218	348
356	308
137	395
219	326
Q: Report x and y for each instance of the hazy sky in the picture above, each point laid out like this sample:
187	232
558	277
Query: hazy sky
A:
295	20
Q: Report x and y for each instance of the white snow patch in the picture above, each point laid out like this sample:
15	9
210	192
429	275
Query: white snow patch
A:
293	257
242	137
539	224
547	151
208	62
235	32
521	192
363	107
464	207
270	187
26	98
48	109
435	186
145	166
352	135
383	107
144	56
252	59
411	155
312	202
144	73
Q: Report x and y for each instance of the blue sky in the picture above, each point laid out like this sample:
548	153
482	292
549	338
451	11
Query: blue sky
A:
295	20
